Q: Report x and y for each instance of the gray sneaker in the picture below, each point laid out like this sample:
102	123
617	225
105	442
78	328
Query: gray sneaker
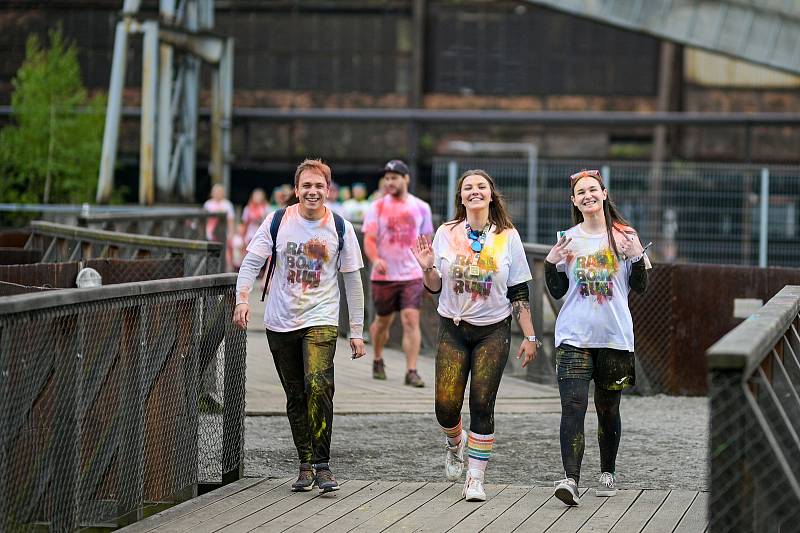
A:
378	369
567	491
324	479
606	486
305	481
413	379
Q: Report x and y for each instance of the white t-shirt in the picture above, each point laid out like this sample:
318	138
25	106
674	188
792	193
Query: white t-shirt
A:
304	290
396	225
595	313
474	286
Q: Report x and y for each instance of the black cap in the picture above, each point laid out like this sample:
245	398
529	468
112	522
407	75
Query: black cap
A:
396	166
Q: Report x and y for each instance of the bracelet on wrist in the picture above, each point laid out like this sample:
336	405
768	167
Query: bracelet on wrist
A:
429	268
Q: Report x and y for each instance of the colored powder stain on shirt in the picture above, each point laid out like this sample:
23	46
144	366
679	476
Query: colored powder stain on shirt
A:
594	273
304	262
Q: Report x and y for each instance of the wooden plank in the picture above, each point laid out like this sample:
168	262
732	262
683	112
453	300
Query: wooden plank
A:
173	513
640	512
251	515
397	511
576	517
609	514
454	514
345	506
422	515
696	517
546	515
671	511
373	507
492	509
521	510
314	508
246	506
268	491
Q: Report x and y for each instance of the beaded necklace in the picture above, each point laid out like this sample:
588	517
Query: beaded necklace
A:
477	238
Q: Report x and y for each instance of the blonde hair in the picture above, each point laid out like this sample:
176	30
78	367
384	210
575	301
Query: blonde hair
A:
315	165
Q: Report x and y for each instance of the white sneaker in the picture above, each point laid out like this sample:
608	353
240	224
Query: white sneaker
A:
473	487
567	491
454	458
606	486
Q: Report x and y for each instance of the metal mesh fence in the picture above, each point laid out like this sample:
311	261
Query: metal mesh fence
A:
693	212
755	422
117	398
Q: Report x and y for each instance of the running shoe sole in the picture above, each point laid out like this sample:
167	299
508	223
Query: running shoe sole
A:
566	496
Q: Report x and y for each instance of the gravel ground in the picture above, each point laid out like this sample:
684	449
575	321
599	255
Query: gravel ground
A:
664	445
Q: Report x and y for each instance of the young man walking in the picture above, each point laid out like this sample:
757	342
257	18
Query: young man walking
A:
301	317
392	225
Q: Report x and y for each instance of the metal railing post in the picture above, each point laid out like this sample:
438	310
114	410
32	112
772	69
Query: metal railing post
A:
452	178
763	226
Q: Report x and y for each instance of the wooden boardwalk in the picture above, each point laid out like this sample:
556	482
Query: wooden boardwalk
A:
371	506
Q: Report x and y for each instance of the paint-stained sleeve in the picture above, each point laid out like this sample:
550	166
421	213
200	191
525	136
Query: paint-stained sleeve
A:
557	282
638	277
370	225
518	271
354	292
426	228
351	259
251	266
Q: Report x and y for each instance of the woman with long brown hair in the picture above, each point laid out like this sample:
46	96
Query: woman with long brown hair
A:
478	264
595	264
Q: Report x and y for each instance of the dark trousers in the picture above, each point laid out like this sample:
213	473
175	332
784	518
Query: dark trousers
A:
304	361
477	353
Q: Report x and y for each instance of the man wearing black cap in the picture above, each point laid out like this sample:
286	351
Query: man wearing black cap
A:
391	227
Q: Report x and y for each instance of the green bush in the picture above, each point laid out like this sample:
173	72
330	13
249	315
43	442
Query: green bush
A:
50	153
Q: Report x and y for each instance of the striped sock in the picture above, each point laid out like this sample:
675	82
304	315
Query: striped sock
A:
479	448
453	434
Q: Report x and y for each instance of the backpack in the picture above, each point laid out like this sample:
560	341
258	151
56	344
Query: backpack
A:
273	231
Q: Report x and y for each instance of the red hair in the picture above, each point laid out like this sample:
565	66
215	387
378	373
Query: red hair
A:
316	166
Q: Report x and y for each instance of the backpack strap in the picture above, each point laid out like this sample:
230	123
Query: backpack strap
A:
339	223
273	232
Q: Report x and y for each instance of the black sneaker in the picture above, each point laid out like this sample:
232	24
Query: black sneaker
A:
305	481
378	370
324	479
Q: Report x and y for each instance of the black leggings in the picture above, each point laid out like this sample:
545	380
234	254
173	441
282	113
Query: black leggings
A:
574	401
464	350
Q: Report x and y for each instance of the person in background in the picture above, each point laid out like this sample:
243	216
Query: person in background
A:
217	203
333	199
356	207
391	227
253	215
281	196
379	192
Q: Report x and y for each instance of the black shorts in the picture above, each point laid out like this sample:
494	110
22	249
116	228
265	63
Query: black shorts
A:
610	369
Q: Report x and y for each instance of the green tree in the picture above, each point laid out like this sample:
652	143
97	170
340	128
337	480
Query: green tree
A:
50	153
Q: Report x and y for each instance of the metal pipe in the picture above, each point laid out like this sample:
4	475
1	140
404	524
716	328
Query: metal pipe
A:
763	227
105	181
149	105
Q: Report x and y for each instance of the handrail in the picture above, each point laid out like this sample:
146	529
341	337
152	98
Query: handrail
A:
160	215
169	243
746	346
44	300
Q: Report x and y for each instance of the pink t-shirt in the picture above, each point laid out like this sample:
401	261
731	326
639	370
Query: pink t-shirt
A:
396	224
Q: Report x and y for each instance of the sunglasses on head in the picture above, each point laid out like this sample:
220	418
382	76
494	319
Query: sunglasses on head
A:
586	173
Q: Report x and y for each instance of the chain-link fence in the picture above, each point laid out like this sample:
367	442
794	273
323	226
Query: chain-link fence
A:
693	212
117	398
754	375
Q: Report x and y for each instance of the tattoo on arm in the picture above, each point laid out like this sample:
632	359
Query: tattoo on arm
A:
518	306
